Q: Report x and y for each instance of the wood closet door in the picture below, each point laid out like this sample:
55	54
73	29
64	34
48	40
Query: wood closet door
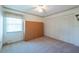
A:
33	30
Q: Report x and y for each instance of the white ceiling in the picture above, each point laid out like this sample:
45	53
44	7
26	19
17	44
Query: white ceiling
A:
51	9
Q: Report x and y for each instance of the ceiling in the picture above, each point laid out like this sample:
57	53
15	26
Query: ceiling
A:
51	9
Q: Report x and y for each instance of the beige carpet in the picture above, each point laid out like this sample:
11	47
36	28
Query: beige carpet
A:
40	45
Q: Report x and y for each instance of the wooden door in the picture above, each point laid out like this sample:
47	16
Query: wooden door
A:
33	30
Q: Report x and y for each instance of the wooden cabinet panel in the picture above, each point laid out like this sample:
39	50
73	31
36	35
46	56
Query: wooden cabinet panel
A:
33	30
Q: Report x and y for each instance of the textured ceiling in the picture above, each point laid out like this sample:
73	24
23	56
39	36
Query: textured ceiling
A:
51	9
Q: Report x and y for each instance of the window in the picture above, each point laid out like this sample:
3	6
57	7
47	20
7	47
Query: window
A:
13	24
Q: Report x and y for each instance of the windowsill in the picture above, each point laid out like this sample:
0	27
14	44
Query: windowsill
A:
15	32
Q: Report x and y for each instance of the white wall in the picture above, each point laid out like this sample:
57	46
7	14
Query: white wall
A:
13	37
63	26
28	17
1	27
17	36
33	18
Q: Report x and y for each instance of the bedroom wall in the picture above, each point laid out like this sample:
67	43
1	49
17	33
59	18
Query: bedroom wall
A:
63	26
33	18
35	23
13	37
27	17
1	27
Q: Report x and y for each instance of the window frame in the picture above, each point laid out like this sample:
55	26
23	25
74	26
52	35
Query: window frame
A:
5	26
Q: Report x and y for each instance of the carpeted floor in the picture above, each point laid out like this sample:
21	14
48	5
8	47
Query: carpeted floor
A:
40	45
